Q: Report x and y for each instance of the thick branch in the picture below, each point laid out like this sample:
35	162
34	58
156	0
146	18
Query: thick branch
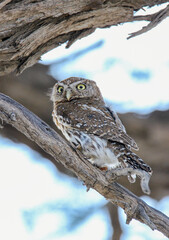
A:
38	131
26	35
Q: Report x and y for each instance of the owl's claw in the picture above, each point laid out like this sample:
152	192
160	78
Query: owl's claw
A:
131	173
121	171
145	178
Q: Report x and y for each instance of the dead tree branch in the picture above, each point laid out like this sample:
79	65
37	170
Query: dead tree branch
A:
154	20
38	131
30	28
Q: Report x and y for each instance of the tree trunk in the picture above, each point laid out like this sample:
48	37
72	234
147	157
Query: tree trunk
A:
30	28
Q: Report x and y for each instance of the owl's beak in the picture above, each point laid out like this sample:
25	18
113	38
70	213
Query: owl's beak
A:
69	94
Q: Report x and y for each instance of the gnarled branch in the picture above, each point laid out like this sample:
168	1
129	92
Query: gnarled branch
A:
30	28
38	131
154	20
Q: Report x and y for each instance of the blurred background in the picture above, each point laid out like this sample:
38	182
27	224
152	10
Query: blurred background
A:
39	198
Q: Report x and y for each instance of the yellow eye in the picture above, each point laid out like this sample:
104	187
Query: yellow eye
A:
60	89
81	86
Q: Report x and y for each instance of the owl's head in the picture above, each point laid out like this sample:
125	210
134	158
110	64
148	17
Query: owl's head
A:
75	88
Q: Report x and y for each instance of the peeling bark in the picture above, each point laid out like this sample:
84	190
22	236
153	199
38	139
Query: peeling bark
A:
30	28
38	131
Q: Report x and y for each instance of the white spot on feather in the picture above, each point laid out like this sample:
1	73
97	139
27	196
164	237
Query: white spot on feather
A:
79	125
86	107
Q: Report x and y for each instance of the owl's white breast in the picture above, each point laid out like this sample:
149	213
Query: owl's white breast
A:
99	153
93	147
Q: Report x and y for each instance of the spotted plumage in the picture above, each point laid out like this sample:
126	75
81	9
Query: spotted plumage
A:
92	127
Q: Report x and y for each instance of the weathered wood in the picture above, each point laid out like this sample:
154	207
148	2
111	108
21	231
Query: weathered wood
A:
30	28
154	20
38	131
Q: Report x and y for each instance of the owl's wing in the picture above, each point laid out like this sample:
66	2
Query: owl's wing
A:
98	121
116	118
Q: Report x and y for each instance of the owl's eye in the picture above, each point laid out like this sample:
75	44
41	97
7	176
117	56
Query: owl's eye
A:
81	86
60	89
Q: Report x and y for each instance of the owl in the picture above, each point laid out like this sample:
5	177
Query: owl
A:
95	130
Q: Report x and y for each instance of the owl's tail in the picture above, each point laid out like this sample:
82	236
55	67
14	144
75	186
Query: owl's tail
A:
134	164
129	158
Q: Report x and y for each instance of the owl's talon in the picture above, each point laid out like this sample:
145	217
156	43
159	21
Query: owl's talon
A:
121	171
144	180
110	176
131	174
131	178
